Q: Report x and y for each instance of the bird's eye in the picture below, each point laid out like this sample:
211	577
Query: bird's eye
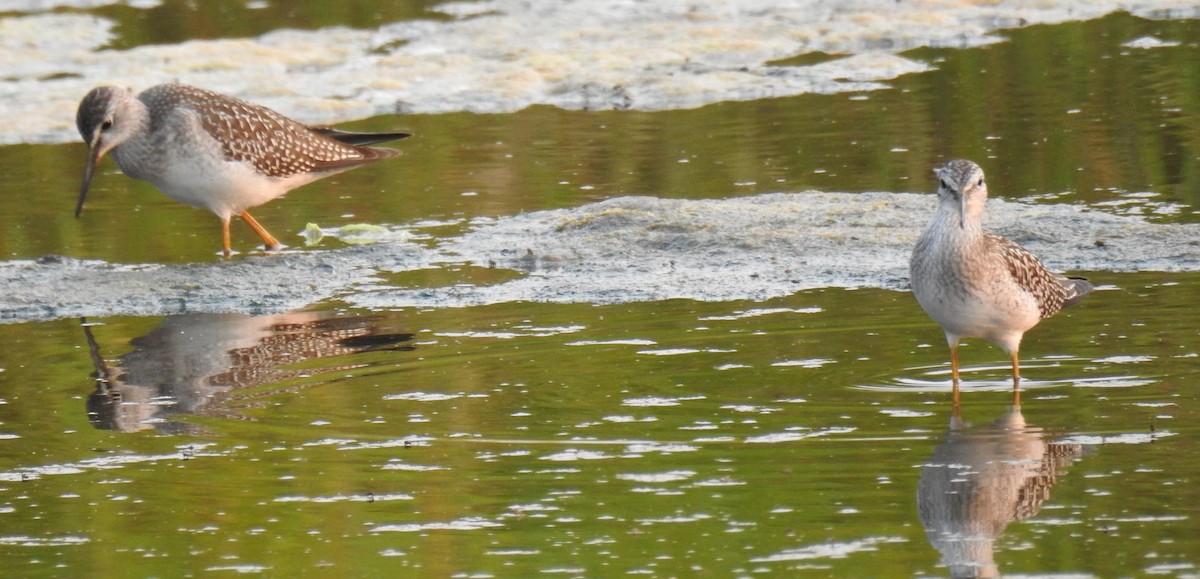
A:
106	125
980	183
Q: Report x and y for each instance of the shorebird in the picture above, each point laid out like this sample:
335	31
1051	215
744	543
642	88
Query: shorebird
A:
213	151
976	284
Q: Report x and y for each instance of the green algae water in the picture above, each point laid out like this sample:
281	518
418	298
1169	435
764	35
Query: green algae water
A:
805	432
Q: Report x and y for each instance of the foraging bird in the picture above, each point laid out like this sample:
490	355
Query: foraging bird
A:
976	284
213	151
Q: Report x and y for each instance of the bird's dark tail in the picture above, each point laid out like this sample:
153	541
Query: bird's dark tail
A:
358	139
1077	288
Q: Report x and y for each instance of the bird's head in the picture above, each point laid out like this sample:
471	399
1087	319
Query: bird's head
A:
961	184
104	121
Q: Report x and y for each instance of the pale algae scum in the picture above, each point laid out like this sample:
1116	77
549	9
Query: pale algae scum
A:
625	249
505	55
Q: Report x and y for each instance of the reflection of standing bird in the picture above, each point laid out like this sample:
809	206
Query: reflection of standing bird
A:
981	479
976	284
212	151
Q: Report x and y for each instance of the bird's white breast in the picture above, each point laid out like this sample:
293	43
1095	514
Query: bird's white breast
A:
967	288
187	164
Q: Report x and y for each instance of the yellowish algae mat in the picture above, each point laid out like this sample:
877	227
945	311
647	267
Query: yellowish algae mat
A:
505	55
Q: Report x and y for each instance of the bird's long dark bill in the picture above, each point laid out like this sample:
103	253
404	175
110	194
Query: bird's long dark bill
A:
93	159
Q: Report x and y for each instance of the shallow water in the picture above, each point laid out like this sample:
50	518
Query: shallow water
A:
595	343
664	438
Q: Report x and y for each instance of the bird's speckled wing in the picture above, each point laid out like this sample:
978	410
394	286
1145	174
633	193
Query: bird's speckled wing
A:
273	143
1052	291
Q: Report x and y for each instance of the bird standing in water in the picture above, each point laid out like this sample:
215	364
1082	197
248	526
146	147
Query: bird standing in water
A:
213	151
976	284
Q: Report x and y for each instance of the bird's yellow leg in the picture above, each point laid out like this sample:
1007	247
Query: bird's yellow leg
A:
1016	365
269	240
225	235
954	373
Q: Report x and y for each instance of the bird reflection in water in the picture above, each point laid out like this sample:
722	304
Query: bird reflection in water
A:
204	364
980	479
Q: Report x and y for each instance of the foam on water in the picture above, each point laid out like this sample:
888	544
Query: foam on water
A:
505	55
628	249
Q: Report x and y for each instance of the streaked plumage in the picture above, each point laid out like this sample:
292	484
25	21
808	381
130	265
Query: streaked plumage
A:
980	479
212	151
976	284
